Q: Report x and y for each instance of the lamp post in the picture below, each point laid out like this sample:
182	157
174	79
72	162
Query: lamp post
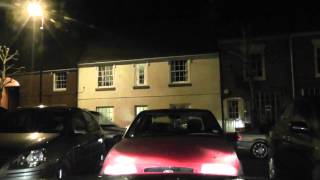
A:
35	10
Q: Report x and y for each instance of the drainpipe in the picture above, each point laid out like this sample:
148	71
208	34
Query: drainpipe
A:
221	88
292	66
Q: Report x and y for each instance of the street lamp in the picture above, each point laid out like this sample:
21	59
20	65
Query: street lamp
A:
36	10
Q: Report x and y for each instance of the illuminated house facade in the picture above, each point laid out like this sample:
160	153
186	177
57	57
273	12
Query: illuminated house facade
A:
121	88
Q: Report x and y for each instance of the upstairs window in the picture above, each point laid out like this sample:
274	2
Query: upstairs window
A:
179	71
60	81
255	66
140	74
106	76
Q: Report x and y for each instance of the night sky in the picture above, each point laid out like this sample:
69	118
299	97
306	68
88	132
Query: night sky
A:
166	25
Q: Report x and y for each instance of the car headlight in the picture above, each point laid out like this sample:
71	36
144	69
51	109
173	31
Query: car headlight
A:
30	159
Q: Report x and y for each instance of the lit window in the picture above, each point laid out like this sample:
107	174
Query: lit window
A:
138	109
105	76
179	71
107	112
233	108
60	81
141	74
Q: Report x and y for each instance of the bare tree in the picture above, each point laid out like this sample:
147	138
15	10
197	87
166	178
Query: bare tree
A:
7	67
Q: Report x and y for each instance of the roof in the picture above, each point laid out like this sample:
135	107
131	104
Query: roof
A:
176	111
114	48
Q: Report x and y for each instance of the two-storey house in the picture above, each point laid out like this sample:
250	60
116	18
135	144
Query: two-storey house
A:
256	80
121	88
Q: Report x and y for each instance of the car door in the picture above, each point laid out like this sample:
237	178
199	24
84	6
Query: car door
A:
87	143
294	148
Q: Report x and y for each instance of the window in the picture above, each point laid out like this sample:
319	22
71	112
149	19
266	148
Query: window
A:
179	71
140	74
233	109
255	67
106	112
180	106
60	81
139	108
106	76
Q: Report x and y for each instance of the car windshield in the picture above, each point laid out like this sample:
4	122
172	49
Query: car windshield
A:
27	120
174	123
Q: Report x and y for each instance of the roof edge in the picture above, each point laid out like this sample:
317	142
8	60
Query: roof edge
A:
97	62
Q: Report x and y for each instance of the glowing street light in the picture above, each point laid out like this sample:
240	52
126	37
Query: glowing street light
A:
35	9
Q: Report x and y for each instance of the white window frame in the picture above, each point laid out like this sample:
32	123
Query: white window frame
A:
108	113
188	71
137	110
241	108
55	79
137	74
260	50
113	76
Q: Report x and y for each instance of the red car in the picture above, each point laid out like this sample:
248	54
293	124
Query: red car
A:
175	141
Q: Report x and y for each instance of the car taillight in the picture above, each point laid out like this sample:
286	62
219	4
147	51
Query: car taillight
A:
120	165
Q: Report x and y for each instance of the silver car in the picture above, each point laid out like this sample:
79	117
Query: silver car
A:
254	142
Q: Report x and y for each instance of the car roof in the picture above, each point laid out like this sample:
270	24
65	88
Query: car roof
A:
176	111
46	108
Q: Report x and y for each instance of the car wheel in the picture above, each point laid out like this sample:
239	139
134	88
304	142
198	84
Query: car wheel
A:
259	150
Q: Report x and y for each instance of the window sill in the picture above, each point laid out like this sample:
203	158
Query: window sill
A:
59	90
141	87
105	89
179	84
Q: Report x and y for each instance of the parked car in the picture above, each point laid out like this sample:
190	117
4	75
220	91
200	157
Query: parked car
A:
112	132
295	142
174	141
253	141
49	142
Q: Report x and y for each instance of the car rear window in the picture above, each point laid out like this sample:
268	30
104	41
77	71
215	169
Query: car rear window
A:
178	123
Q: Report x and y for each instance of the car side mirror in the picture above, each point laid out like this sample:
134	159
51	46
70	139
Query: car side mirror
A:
299	127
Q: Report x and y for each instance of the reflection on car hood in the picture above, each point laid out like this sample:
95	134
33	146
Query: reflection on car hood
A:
194	148
24	140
